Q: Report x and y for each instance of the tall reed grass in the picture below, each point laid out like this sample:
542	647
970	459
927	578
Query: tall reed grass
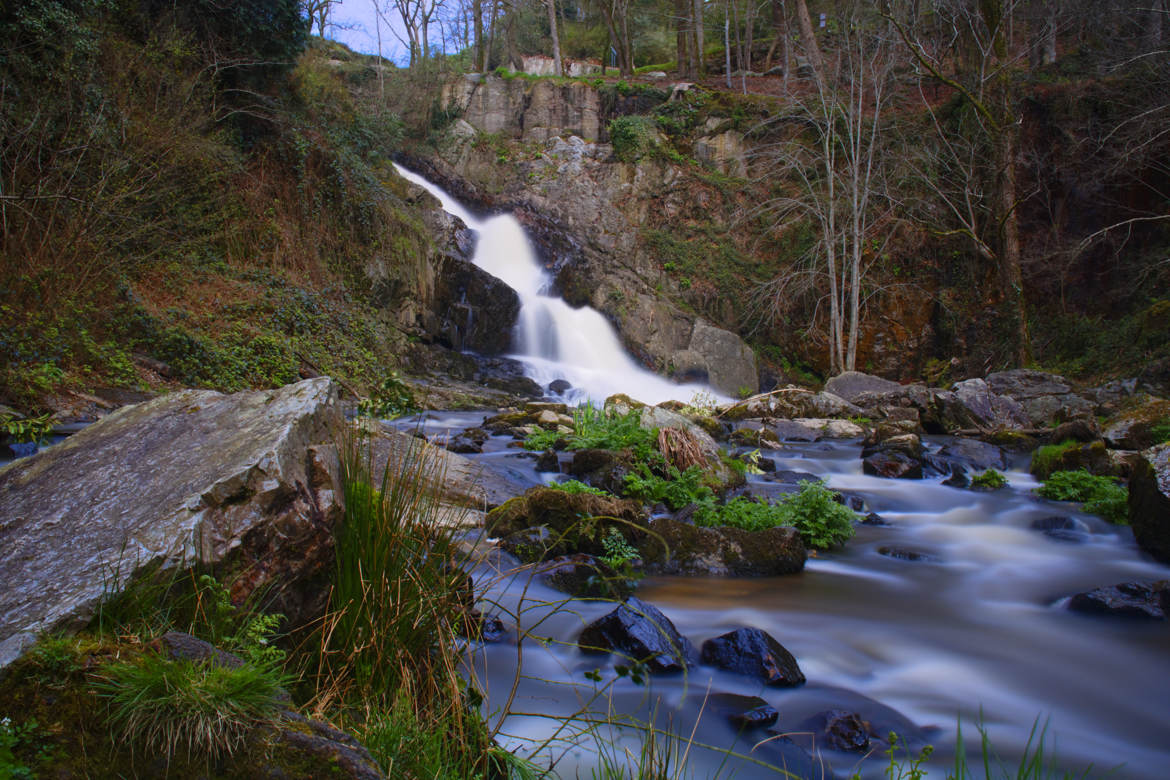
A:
390	647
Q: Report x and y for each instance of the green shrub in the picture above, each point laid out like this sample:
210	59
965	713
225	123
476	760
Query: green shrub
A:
34	429
633	137
576	486
20	742
813	511
989	480
204	709
392	398
676	490
603	429
1098	495
1160	432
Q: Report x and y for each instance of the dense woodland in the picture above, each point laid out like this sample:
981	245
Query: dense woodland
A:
204	185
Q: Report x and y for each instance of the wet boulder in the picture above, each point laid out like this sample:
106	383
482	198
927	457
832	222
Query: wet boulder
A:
754	653
547	462
559	386
679	548
1149	502
974	454
1148	601
892	464
470	441
639	633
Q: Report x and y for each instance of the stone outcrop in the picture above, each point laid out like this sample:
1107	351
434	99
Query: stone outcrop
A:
1149	502
1045	398
192	477
851	385
533	111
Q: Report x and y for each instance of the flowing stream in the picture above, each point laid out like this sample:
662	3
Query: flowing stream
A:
552	339
974	628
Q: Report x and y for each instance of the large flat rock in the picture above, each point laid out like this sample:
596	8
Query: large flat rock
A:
191	477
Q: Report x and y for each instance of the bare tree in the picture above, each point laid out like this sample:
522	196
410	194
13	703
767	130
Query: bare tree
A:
838	159
551	5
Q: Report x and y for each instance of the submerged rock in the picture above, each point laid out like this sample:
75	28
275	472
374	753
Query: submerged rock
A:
1063	529
974	454
755	653
839	730
1127	599
639	633
744	712
193	477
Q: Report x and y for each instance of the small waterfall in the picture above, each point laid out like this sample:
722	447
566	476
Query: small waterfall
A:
552	339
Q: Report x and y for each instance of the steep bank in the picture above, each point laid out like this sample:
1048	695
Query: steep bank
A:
647	203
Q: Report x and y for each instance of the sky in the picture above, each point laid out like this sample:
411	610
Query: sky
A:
355	28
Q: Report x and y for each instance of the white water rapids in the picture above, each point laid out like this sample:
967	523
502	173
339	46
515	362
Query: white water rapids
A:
552	339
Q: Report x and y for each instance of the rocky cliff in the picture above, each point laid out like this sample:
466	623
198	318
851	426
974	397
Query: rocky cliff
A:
587	213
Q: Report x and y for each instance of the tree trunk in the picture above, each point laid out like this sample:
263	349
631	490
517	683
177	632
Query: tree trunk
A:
684	34
477	27
809	39
700	55
1010	274
556	39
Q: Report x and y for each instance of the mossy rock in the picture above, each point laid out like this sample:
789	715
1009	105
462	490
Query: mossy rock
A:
560	511
1070	456
750	437
673	547
1013	441
712	426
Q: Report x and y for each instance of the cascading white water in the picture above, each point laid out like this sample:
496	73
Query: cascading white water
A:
553	340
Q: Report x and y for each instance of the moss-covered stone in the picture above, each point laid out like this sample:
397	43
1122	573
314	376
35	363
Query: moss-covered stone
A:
673	547
560	511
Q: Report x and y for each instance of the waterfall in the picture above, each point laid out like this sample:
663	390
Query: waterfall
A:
552	339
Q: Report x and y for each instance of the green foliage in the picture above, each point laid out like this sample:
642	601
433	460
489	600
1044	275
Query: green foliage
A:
989	480
1099	495
392	398
618	551
1085	345
633	136
603	429
813	511
576	486
203	709
676	490
1160	432
20	745
34	429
